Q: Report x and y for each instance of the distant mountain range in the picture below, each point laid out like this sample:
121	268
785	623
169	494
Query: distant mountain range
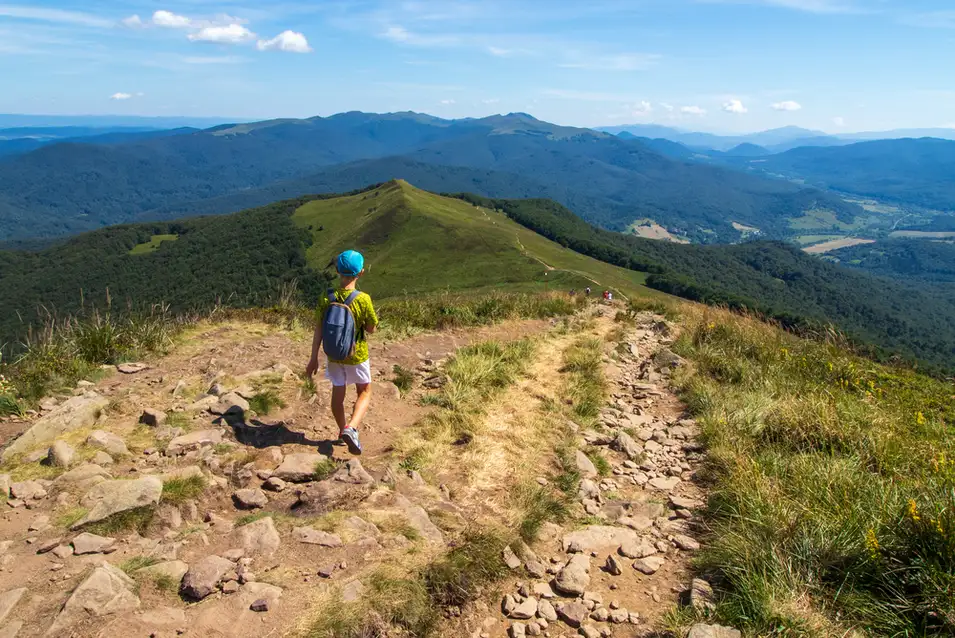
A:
80	185
774	140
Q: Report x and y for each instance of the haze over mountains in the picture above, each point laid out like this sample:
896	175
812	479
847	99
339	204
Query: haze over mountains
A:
71	187
774	140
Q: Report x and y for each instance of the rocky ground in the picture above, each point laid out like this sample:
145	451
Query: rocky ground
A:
156	502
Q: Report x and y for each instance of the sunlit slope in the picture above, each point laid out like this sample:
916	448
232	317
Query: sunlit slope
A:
416	241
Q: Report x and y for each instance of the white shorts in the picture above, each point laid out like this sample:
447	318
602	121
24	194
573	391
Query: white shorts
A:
340	374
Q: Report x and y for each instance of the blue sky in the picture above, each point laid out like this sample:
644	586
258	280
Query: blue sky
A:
717	65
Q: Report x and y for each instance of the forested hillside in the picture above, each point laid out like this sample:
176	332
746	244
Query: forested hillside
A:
238	260
918	259
71	187
773	278
910	171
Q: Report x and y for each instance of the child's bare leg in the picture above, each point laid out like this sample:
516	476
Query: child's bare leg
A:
361	404
338	406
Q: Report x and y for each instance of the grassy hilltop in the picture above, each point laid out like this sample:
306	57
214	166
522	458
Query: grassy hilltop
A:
418	242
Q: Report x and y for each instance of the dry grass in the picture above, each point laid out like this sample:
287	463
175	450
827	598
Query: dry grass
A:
832	507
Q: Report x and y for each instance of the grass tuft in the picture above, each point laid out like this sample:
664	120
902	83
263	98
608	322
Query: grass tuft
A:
403	378
180	490
134	520
266	401
137	562
325	468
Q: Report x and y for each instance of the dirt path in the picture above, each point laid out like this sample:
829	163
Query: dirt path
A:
297	545
640	509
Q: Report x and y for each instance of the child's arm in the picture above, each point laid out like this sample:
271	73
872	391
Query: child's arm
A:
312	366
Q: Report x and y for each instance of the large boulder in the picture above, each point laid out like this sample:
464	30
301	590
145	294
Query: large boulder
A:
113	497
9	600
298	468
584	465
350	484
250	498
105	591
193	441
574	578
82	473
625	443
203	576
108	442
258	537
598	538
74	414
87	543
60	454
701	630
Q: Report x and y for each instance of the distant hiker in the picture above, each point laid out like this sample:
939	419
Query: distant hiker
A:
587	291
344	318
573	292
606	295
609	296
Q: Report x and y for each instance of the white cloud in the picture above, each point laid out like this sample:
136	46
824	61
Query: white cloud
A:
623	62
495	100
448	102
401	35
53	15
290	41
133	22
787	105
499	52
692	110
230	34
735	106
839	121
171	20
809	6
120	96
669	108
641	108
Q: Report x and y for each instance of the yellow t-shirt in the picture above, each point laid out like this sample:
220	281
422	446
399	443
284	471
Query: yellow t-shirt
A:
364	312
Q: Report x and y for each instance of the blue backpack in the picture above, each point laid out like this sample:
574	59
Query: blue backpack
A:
338	327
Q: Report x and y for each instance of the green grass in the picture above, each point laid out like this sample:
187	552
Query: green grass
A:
178	491
137	562
585	384
403	378
251	518
832	501
426	235
604	468
152	245
540	505
134	520
325	468
68	518
266	401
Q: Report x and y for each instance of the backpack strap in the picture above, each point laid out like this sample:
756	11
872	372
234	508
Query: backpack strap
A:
331	296
351	297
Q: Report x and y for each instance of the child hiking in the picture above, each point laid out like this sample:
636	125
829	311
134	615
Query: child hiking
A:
344	318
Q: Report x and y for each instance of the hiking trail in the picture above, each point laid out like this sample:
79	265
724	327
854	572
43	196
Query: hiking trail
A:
273	529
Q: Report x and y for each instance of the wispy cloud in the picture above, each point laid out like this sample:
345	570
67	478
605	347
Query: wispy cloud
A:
53	15
288	41
787	105
621	62
810	6
121	96
587	96
492	100
693	110
447	102
839	121
932	20
401	35
210	59
641	109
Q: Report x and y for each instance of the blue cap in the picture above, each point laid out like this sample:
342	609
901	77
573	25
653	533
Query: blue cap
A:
350	263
